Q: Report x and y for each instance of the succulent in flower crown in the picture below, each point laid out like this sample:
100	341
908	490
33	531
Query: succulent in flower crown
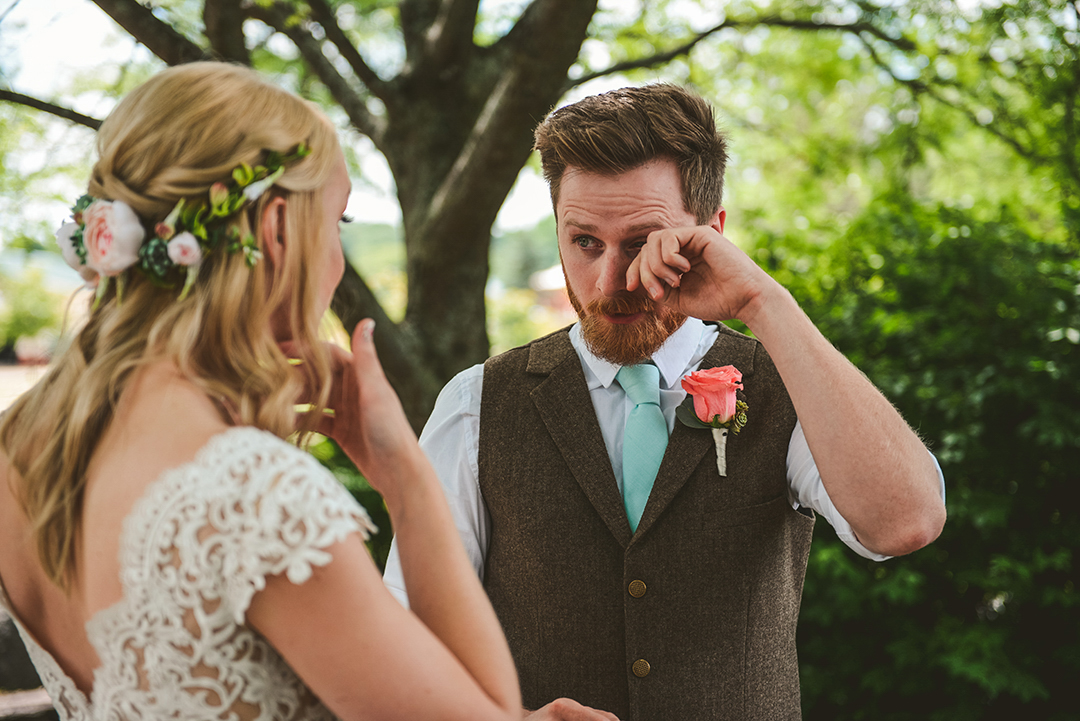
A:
106	237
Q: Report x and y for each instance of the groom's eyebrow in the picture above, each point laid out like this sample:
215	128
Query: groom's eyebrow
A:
642	228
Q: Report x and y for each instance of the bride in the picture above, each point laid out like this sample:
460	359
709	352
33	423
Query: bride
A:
163	551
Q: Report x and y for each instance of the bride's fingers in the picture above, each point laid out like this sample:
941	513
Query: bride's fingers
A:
373	388
363	339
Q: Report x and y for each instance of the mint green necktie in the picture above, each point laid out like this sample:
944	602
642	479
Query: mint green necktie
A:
644	439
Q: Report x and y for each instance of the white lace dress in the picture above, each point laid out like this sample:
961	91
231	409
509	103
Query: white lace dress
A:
193	551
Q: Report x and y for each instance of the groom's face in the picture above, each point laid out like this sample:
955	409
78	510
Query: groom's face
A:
603	221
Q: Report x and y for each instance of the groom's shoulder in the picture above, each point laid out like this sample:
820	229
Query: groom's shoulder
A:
727	334
739	349
537	356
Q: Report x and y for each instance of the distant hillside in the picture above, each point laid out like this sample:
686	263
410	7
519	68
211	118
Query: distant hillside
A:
375	249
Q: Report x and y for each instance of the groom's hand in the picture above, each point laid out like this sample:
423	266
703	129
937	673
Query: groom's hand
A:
698	272
564	709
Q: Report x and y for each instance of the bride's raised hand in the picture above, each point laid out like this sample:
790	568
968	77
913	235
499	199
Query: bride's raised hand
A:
368	421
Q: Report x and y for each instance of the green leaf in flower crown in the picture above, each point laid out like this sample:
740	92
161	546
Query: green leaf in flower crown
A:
82	204
79	244
243	174
213	237
102	289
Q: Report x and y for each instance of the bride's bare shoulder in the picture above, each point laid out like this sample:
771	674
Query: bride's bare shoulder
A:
161	421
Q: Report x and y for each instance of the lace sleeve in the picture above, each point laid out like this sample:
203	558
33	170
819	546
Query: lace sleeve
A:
280	514
195	550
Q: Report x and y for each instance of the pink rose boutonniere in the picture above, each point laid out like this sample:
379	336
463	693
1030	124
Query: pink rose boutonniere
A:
712	404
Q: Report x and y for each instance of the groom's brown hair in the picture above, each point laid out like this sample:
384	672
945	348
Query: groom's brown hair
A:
623	129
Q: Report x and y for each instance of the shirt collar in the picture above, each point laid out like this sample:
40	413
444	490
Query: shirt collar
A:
673	358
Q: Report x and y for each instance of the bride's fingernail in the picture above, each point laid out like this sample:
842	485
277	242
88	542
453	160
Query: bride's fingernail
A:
368	330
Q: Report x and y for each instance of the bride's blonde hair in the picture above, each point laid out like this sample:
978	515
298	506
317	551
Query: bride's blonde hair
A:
172	138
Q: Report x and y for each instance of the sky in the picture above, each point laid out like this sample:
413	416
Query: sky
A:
44	44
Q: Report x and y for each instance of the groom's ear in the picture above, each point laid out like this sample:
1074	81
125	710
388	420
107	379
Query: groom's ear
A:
272	232
717	222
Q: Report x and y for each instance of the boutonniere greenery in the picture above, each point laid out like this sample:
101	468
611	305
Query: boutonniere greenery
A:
711	403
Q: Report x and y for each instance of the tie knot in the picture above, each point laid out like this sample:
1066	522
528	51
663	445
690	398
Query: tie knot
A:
641	383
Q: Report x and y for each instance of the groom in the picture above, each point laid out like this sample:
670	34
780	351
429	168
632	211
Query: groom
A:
628	573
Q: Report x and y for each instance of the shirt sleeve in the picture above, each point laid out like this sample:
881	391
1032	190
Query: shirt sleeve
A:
808	490
451	439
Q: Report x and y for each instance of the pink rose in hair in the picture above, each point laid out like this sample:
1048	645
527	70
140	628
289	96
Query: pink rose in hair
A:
112	236
184	250
713	390
71	256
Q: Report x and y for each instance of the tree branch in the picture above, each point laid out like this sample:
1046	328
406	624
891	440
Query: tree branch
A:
650	61
277	17
528	83
438	35
451	31
772	21
416	17
10	7
224	23
157	35
323	14
918	87
900	43
60	112
512	84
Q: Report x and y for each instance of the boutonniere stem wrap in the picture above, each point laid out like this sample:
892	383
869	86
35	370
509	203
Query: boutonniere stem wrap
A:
711	403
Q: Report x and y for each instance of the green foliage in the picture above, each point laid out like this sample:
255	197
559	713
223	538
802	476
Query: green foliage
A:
518	254
26	308
516	317
330	455
971	327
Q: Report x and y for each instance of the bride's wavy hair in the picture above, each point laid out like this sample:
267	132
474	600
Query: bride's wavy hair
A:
172	138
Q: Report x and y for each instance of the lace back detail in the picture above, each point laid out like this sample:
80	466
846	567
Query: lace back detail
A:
195	549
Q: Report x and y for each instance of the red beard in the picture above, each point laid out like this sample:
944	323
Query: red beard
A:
625	343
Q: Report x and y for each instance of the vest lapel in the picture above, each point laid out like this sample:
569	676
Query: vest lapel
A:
687	446
563	402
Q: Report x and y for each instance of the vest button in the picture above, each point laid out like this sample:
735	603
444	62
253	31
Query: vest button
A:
641	668
637	589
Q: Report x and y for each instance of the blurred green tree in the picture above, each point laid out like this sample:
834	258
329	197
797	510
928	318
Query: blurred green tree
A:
26	309
972	328
450	90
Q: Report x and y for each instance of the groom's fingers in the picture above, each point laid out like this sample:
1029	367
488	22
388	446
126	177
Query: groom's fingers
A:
564	709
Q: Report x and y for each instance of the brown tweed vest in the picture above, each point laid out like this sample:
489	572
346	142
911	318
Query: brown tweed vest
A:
691	617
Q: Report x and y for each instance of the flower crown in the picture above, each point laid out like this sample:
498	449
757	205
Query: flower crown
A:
106	237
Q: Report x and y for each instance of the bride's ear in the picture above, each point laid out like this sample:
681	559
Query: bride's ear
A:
272	231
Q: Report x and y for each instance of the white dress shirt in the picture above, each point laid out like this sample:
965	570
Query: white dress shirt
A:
451	439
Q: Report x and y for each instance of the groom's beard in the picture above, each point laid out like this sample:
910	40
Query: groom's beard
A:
625	343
